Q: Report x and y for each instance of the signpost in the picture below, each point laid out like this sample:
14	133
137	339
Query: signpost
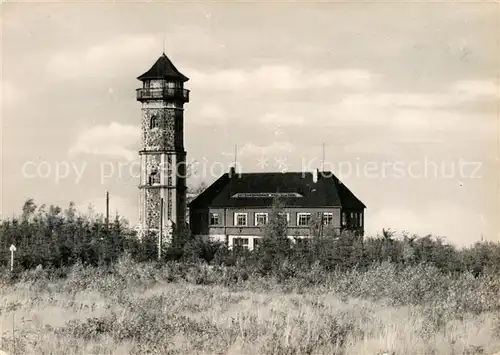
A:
12	250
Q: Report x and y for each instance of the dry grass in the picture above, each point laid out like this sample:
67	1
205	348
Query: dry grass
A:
137	312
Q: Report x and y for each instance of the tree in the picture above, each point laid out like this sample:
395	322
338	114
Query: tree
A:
275	245
387	243
29	208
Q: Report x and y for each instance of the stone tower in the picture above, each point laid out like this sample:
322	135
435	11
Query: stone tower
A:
162	154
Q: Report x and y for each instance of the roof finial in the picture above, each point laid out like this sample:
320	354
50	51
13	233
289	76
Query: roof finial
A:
164	44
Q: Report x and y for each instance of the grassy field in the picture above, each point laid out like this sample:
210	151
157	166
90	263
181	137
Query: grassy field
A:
143	309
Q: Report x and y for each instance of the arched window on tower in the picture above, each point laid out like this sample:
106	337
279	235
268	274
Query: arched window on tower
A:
154	177
153	122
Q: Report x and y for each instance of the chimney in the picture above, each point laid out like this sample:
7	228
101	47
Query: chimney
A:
315	175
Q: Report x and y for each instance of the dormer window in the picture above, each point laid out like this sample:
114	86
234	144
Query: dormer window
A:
153	122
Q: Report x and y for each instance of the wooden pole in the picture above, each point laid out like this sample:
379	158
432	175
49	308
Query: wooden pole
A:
107	208
235	156
160	234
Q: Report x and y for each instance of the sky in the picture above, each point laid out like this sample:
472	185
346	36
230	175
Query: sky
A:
399	100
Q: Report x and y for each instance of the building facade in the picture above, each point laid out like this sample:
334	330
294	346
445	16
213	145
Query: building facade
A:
162	196
235	207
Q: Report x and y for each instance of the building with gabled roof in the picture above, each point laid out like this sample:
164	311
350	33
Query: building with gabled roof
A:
234	208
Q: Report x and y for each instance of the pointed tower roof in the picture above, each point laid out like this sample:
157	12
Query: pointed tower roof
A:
163	69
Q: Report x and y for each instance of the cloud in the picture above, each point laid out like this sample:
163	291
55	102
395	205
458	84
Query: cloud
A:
354	78
279	77
280	119
210	114
475	89
380	147
458	93
428	112
120	205
410	119
251	150
399	100
107	59
113	140
433	220
356	110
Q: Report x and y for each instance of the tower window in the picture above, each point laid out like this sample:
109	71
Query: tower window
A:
154	177
153	122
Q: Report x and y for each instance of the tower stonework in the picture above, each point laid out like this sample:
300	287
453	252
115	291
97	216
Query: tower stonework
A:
162	155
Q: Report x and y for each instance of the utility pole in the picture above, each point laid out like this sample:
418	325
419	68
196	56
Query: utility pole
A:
321	226
160	234
107	208
235	156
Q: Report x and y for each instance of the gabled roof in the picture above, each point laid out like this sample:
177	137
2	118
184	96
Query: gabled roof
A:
258	190
163	69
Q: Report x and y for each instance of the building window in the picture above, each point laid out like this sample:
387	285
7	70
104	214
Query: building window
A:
256	242
153	122
303	219
344	219
240	219
327	218
302	242
360	219
353	219
154	177
260	218
284	215
214	219
240	242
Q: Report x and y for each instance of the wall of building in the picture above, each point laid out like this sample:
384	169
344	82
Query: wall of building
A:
228	219
200	221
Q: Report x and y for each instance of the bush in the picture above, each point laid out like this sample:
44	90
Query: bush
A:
57	242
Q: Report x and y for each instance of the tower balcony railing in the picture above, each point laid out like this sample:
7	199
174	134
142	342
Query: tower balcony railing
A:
163	93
